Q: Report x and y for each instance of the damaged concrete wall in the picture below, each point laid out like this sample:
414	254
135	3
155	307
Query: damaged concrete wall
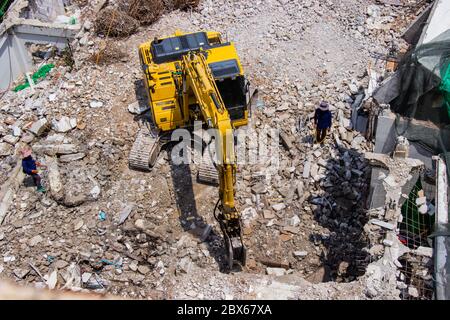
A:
46	10
16	33
430	135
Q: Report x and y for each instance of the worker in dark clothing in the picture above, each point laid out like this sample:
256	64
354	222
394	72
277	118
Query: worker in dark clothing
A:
322	120
29	166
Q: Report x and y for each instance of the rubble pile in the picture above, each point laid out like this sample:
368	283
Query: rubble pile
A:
171	5
123	18
110	53
103	227
115	23
144	11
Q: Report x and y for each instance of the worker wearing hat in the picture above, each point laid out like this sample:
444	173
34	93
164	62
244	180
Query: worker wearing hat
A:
322	120
29	166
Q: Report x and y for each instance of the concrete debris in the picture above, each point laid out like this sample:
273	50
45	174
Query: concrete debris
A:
35	240
21	273
65	124
137	108
72	157
96	104
55	149
383	224
300	253
278	206
5	149
125	214
278	272
424	251
159	238
39	127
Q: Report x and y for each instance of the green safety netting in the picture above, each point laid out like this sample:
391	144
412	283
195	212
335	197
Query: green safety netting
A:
3	7
445	86
37	76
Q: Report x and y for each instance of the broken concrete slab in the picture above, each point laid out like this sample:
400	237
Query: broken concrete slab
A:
137	108
52	150
12	140
5	149
278	206
64	124
35	240
54	177
306	169
300	253
39	127
72	157
424	251
278	272
383	224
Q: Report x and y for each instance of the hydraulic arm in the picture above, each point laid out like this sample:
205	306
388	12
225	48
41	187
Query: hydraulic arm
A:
197	78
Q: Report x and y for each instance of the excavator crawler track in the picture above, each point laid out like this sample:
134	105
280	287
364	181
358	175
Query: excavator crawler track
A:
144	152
207	171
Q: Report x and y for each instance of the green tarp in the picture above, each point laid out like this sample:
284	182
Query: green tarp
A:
445	86
37	76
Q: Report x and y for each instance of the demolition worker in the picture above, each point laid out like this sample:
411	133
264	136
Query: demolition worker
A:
322	121
29	167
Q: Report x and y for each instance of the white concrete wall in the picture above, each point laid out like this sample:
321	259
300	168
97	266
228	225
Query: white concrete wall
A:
15	59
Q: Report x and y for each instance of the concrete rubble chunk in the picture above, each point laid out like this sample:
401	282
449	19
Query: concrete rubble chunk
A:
383	224
20	272
278	206
65	124
294	221
52	280
421	200
72	157
78	225
95	192
137	108
424	251
287	143
54	177
39	127
125	213
306	169
278	272
413	292
71	200
60	264
300	253
259	188
56	149
12	140
249	214
35	240
5	149
96	104
283	107
185	265
143	269
86	276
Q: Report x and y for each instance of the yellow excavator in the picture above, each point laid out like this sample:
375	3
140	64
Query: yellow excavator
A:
190	77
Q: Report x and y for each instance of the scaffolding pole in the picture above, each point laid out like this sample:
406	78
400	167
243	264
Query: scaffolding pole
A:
442	238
